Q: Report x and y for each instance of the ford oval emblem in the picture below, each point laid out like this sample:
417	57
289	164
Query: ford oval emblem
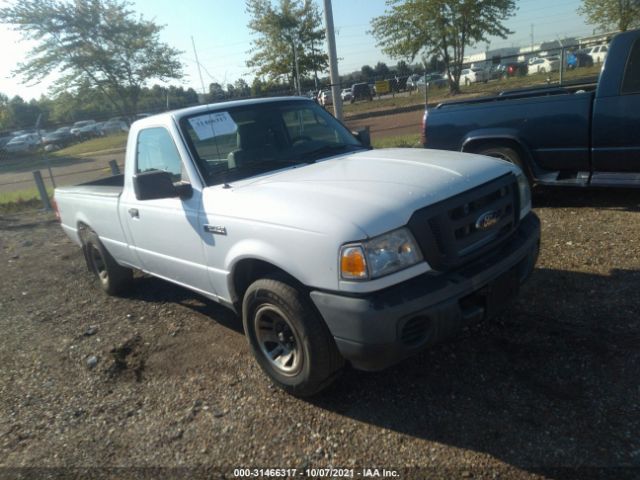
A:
487	220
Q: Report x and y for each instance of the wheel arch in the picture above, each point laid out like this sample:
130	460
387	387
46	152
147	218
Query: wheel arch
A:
247	270
475	143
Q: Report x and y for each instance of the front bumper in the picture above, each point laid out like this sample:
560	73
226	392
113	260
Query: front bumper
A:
376	330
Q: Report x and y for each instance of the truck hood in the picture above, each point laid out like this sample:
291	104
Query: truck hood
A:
374	190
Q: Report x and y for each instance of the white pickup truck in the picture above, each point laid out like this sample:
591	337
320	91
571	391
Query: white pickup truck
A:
330	251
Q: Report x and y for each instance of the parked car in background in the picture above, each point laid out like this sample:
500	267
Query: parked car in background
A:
4	140
412	81
23	143
361	91
57	139
345	94
494	72
75	129
578	59
90	131
326	98
473	75
514	69
114	126
433	80
598	53
544	65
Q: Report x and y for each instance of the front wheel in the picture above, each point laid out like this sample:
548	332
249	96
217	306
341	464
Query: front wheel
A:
288	338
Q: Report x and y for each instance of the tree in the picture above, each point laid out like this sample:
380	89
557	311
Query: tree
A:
290	30
92	42
367	72
242	88
440	27
216	93
381	70
612	14
403	69
5	118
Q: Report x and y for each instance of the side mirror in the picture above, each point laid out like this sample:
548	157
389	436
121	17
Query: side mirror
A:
364	136
154	184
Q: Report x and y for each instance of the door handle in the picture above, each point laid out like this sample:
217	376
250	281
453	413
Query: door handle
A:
134	213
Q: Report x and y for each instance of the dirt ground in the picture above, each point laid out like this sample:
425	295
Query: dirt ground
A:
548	387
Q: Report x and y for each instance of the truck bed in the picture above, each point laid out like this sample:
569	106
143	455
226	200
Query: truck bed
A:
94	202
106	187
525	93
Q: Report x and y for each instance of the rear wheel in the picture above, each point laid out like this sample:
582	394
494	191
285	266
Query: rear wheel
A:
505	153
113	278
288	338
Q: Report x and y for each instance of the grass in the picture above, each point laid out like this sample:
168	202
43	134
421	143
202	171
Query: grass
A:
66	156
399	141
11	202
111	142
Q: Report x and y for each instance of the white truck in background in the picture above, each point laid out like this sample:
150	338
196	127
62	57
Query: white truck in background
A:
330	251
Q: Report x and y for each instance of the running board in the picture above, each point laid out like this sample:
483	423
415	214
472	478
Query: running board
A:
598	179
577	179
615	179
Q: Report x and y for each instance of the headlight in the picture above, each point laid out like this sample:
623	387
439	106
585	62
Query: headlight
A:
525	194
379	256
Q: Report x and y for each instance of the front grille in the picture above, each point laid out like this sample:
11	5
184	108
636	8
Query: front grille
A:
461	228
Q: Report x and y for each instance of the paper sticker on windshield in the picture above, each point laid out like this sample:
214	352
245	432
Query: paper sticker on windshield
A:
213	125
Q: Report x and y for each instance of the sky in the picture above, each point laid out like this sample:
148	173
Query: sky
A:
222	39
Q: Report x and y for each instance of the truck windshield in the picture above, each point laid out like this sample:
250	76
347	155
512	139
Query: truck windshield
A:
233	143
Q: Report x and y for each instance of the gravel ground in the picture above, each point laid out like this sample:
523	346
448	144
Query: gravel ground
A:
164	378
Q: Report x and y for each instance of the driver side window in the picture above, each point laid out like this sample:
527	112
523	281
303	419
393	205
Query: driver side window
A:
157	151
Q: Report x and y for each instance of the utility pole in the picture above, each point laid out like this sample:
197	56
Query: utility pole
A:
315	67
333	60
532	38
198	63
295	59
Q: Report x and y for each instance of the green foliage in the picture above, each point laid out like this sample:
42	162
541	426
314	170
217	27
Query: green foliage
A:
292	24
92	43
367	72
443	28
612	14
403	69
381	70
87	103
399	141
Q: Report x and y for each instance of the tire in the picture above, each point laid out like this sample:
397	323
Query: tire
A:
542	70
466	82
288	338
506	153
114	279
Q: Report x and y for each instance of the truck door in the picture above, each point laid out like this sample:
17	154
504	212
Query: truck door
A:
616	119
165	232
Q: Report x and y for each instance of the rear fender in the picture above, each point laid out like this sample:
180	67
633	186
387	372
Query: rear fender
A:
474	140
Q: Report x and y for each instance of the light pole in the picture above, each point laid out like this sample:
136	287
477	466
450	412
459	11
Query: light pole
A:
295	59
333	60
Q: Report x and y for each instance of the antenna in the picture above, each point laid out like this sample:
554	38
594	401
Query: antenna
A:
195	52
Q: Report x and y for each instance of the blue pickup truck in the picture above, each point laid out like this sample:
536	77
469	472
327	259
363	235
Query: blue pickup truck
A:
582	135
